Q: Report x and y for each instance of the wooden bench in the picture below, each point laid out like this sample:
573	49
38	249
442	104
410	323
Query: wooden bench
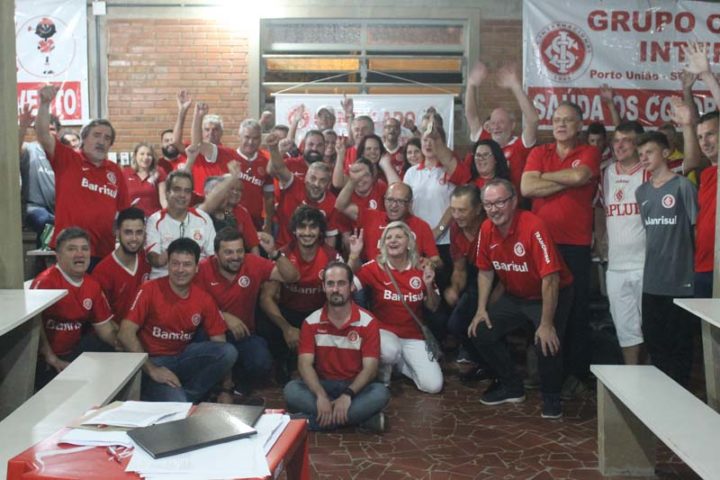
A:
638	404
91	380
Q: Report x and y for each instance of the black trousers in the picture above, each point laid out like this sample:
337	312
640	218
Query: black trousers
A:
668	334
577	344
510	313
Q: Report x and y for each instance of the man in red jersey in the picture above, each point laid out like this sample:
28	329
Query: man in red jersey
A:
258	191
164	317
502	122
171	140
314	190
234	278
391	140
338	361
398	205
286	306
61	338
89	188
121	273
561	179
536	287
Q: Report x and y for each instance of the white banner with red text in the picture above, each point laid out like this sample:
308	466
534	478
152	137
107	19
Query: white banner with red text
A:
51	48
572	47
377	107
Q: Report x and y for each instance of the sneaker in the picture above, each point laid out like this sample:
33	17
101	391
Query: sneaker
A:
552	407
473	375
499	394
375	424
572	388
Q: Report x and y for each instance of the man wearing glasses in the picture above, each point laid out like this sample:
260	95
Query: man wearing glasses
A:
178	220
398	202
534	286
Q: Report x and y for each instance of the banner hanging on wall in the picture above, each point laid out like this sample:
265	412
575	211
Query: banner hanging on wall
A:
51	47
377	107
571	48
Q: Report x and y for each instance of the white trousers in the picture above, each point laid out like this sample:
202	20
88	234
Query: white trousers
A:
411	359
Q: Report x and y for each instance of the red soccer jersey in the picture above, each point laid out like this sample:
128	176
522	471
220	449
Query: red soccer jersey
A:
397	160
167	321
87	196
705	229
203	169
516	154
306	295
239	295
294	195
461	246
172	165
63	321
143	194
256	181
339	352
568	214
246	227
120	284
374	200
350	157
373	223
523	257
387	305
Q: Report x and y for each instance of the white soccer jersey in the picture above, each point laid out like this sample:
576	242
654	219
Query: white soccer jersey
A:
626	234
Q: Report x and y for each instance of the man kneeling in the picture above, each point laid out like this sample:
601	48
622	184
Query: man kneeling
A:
338	361
162	321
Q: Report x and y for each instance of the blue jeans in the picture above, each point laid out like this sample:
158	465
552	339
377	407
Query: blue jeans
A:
199	367
254	360
36	218
462	316
367	402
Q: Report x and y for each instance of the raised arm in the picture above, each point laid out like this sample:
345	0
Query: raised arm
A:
476	76
42	121
432	296
606	95
697	63
277	169
507	77
184	102
348	107
217	196
206	148
25	121
682	114
338	176
295	122
284	270
344	198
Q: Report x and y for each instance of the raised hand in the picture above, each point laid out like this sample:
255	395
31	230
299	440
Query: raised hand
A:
606	93
298	114
26	117
507	77
201	109
184	100
696	55
687	79
234	168
267	242
356	243
47	93
478	74
192	151
680	113
347	105
272	140
285	145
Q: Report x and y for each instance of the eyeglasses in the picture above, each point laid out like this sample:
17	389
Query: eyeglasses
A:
484	156
497	203
396	201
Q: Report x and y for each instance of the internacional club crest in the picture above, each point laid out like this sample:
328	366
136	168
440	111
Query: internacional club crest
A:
415	282
668	201
196	319
244	281
565	51
519	249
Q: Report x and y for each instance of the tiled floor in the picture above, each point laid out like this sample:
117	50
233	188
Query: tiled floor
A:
452	436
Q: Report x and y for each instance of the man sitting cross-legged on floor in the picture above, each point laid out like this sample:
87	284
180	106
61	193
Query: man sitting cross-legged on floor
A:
163	320
338	361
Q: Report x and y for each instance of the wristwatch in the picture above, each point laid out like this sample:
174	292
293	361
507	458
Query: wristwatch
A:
277	254
349	392
441	227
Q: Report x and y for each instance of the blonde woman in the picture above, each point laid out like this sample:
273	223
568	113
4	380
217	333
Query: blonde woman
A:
399	287
145	181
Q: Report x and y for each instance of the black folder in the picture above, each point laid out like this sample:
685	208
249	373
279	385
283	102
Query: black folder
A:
205	427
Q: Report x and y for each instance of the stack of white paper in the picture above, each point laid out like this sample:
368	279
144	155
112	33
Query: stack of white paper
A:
237	459
81	436
141	414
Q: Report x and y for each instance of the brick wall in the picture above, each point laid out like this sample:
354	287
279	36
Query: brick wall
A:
150	60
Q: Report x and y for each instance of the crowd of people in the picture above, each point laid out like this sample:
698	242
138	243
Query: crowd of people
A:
351	260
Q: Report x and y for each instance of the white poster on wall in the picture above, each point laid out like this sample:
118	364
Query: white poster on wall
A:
51	47
572	47
377	107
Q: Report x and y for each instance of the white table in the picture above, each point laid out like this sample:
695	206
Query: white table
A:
19	338
708	309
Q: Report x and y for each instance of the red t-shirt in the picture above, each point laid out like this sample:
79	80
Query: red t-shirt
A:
172	165
246	227
461	246
255	178
705	229
203	169
374	200
568	214
373	223
516	154
294	195
239	295
120	284
523	258
387	306
144	193
167	321
350	157
306	295
397	160
339	352
63	321
87	196
297	166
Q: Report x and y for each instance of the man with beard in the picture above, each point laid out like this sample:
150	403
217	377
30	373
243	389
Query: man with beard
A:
61	337
315	192
314	151
171	140
391	140
121	273
233	279
338	361
178	220
287	306
163	320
